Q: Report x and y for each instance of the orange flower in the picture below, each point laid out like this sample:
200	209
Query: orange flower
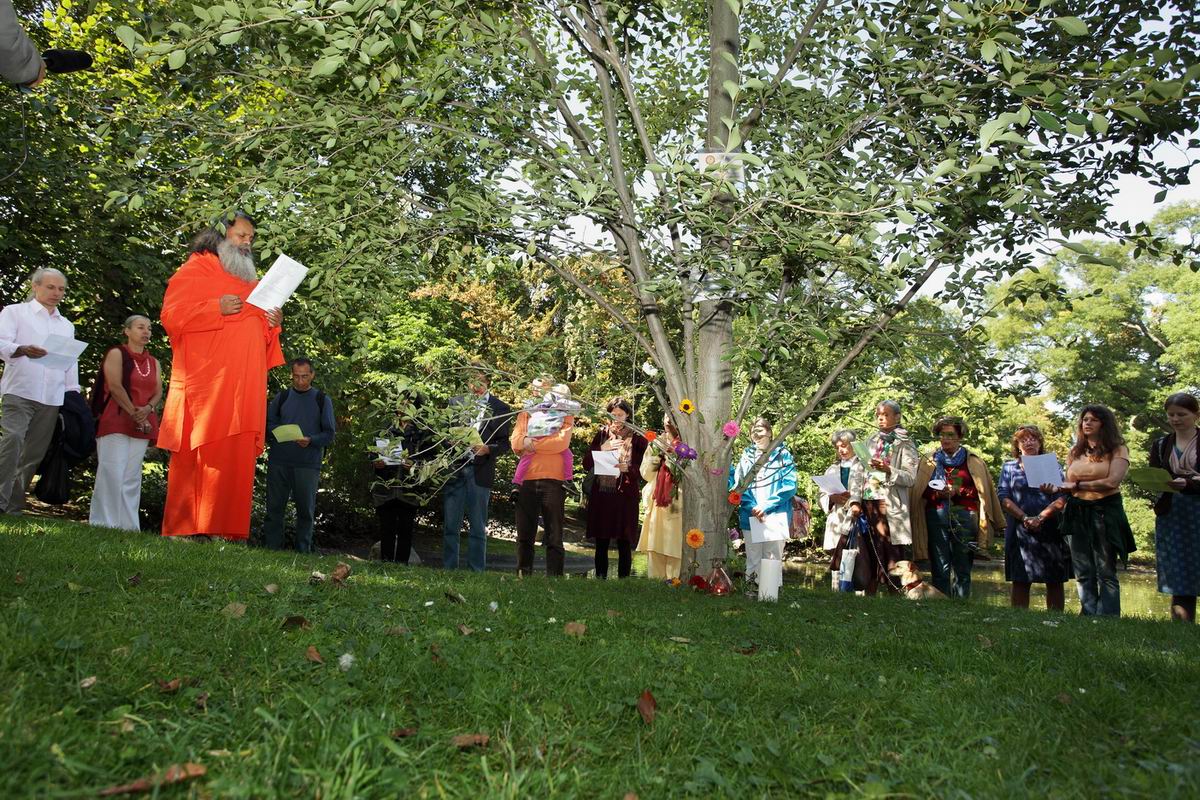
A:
687	406
651	436
735	499
695	538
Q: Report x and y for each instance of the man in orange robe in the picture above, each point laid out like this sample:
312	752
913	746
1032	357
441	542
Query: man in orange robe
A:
215	418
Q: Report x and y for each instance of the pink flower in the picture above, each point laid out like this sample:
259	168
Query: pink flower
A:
730	429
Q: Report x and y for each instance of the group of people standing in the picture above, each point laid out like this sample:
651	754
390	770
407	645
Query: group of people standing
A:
947	509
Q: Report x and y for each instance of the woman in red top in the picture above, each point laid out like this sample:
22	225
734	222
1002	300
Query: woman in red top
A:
130	393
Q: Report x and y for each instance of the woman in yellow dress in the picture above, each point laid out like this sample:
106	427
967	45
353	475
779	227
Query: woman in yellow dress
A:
662	497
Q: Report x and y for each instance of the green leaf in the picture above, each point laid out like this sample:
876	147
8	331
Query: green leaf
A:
1100	123
1073	26
1048	121
230	38
418	31
127	37
326	66
201	13
176	58
988	50
905	217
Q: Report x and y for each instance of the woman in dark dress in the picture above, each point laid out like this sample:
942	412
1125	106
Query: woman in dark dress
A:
398	493
613	500
1034	550
1177	514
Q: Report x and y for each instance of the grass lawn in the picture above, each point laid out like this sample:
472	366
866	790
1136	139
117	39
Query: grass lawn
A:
822	694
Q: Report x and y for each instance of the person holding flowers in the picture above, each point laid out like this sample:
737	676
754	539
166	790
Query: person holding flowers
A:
891	473
662	526
768	492
612	513
1177	514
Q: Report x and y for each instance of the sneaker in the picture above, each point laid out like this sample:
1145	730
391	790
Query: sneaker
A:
751	588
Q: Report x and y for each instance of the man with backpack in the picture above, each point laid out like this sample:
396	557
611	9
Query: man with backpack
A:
294	464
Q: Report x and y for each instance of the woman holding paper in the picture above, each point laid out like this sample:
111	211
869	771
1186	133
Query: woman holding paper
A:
662	528
615	457
841	492
1034	550
1177	513
1094	516
766	500
397	493
124	399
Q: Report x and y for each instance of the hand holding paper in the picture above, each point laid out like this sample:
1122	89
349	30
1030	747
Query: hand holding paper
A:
1042	470
61	352
288	433
605	462
278	284
829	484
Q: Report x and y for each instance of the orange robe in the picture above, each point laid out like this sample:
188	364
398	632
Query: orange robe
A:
215	418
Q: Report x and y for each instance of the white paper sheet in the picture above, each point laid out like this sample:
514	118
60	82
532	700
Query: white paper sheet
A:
1042	469
391	451
605	462
829	484
773	528
278	284
61	352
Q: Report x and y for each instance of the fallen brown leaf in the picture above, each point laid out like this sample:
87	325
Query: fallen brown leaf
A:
984	641
271	588
435	652
176	773
1063	698
234	610
403	733
313	655
296	621
746	651
455	597
612	613
465	631
467	740
397	630
135	579
647	706
170	687
340	573
18	578
576	629
88	682
126	725
680	639
202	701
630	796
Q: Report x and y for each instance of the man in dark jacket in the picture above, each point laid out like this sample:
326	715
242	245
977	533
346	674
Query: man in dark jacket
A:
470	488
294	464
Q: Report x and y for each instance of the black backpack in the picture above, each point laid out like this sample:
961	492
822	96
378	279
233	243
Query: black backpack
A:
277	403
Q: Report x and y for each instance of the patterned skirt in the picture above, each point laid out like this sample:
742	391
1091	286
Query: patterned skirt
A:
1177	545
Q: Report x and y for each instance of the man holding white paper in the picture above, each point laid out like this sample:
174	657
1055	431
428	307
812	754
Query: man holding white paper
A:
32	392
294	462
214	422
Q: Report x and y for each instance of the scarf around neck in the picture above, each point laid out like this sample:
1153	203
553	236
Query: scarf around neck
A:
943	461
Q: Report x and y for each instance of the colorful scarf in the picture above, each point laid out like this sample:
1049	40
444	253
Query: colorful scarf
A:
883	446
942	461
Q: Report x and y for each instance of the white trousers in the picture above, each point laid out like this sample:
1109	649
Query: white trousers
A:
757	552
118	492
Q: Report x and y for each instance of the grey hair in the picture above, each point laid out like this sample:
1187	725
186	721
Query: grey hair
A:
890	405
39	275
843	435
132	318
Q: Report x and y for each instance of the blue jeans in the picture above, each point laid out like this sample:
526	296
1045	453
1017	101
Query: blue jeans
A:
463	497
300	483
951	531
1095	562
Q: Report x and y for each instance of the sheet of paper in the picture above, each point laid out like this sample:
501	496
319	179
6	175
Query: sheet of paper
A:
829	484
860	450
773	528
390	451
61	352
278	284
605	462
1043	469
1152	479
288	433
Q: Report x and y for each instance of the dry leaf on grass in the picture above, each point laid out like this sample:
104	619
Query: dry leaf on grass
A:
680	639
295	621
313	655
176	773
171	686
467	740
202	701
748	650
435	653
234	610
647	706
984	641
18	578
135	579
631	796
465	631
403	733
455	597
1063	698
88	682
271	588
612	613
576	629
397	630
340	573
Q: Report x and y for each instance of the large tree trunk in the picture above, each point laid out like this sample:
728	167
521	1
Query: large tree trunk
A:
705	503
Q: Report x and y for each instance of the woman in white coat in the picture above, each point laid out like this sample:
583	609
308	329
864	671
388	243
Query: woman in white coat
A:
889	480
843	509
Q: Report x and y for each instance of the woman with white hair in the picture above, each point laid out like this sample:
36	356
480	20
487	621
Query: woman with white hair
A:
125	401
842	509
890	476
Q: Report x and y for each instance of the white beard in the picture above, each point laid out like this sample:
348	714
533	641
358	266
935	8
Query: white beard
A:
237	263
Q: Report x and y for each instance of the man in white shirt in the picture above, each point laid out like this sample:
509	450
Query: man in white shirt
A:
31	393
